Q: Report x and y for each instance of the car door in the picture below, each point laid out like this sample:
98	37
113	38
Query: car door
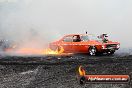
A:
82	45
76	44
67	43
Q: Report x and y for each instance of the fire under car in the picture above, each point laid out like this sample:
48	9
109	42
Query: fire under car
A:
85	43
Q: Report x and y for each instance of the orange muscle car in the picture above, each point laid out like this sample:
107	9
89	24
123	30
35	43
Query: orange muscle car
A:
85	43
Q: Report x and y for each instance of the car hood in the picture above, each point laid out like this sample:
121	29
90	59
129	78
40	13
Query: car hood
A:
101	42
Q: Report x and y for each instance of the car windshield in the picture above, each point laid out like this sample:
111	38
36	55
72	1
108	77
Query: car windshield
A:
89	37
84	38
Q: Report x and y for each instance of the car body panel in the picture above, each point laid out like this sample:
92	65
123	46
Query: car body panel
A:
70	46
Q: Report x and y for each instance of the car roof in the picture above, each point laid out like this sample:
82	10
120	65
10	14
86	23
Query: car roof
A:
77	34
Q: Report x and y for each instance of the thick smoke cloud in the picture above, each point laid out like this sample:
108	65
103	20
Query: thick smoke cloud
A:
46	20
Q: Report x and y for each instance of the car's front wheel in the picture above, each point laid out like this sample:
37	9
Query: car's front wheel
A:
92	51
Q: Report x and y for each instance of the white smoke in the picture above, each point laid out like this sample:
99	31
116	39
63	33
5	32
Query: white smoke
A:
43	21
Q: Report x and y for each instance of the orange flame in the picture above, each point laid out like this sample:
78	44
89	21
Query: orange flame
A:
40	51
36	51
28	51
81	71
57	51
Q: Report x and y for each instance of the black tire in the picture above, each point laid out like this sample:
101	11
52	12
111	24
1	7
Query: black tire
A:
54	48
92	51
58	49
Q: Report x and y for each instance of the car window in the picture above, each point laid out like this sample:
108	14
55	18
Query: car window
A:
93	37
68	39
89	37
84	38
76	38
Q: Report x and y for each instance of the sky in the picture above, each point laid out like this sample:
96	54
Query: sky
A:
49	20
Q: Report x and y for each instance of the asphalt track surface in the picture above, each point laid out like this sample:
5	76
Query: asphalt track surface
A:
61	71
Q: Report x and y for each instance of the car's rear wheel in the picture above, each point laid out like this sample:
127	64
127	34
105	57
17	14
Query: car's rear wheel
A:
53	48
92	50
59	49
